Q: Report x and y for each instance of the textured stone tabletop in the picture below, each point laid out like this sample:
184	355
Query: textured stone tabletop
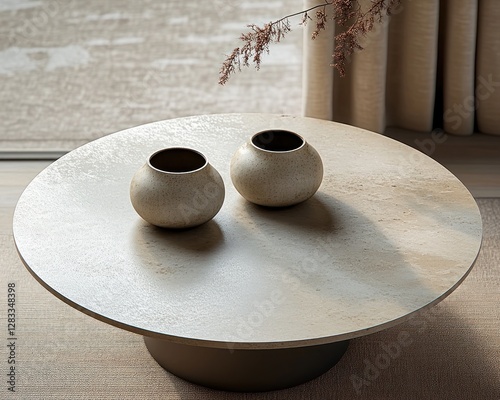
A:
389	232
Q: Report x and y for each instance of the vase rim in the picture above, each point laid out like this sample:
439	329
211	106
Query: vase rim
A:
179	167
300	141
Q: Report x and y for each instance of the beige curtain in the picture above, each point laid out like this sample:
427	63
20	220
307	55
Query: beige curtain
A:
433	64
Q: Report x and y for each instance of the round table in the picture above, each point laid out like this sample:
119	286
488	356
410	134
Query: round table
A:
257	298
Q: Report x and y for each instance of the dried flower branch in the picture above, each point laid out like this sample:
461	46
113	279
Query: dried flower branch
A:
256	43
347	42
345	12
321	20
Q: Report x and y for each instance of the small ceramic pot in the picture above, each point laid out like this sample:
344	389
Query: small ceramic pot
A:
276	168
177	188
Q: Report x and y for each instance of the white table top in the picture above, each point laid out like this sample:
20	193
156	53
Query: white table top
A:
389	232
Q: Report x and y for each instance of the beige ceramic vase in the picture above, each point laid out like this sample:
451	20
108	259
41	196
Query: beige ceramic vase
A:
177	188
276	168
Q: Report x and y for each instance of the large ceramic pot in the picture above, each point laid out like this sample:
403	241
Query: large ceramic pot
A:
177	188
276	168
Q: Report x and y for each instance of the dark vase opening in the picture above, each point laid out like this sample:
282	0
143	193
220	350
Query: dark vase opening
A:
177	159
277	140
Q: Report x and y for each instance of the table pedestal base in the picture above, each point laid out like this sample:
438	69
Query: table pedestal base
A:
245	370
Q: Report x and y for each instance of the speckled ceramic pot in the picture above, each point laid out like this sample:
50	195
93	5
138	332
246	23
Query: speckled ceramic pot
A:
177	188
276	168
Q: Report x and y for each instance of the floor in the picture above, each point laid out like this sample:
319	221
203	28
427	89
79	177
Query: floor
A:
14	177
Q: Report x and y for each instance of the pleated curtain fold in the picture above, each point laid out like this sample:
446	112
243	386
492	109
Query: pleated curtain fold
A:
432	64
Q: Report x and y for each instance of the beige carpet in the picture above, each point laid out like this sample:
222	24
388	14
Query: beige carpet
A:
454	351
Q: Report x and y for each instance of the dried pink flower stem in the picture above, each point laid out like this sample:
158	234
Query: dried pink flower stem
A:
345	12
